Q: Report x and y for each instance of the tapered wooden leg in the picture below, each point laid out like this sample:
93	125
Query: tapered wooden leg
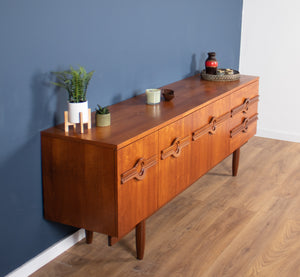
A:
235	161
112	240
88	236
140	236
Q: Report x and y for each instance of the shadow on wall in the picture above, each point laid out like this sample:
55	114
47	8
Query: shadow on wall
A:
193	66
117	98
202	61
48	102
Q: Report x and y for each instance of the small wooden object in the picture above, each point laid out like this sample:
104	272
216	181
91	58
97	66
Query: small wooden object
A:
67	123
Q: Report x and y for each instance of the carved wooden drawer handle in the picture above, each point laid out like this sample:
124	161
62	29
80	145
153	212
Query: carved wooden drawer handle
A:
244	126
211	127
139	170
175	149
245	106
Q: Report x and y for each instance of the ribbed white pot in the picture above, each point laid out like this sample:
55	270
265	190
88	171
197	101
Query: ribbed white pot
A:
74	110
153	96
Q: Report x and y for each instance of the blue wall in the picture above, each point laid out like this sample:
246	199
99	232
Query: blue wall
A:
132	45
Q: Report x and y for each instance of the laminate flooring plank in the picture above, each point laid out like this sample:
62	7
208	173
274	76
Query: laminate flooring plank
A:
198	251
241	253
256	183
280	255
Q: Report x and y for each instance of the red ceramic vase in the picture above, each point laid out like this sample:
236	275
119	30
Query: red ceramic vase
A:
211	64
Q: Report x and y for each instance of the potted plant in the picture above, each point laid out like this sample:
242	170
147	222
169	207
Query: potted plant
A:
76	83
102	116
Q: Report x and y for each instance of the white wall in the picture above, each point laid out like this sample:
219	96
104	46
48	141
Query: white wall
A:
270	48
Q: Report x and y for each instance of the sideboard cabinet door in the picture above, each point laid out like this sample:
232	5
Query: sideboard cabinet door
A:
78	184
210	137
220	139
200	139
137	171
174	165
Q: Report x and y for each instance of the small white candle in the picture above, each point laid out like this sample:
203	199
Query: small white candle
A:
153	96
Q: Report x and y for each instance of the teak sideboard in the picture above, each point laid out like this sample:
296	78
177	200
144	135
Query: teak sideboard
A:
111	179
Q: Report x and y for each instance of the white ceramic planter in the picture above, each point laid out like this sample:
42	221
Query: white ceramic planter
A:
74	110
153	96
102	120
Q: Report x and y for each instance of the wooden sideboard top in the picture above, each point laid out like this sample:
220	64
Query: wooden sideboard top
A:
133	118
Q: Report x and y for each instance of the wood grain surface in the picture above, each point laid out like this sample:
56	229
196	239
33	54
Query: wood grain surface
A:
137	199
244	226
133	119
78	184
110	179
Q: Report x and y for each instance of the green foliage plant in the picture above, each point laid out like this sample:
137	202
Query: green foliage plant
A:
75	82
101	110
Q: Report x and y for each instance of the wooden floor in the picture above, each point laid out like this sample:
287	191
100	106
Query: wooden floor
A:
241	226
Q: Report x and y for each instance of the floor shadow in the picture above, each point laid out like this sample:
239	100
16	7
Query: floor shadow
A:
127	245
218	174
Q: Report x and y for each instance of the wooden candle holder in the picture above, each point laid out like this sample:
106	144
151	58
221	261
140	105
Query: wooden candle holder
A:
68	124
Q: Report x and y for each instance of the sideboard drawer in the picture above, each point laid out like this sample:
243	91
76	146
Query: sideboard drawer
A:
238	97
242	132
247	109
243	123
137	169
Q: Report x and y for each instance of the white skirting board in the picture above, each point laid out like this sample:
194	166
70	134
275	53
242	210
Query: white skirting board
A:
47	255
280	135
